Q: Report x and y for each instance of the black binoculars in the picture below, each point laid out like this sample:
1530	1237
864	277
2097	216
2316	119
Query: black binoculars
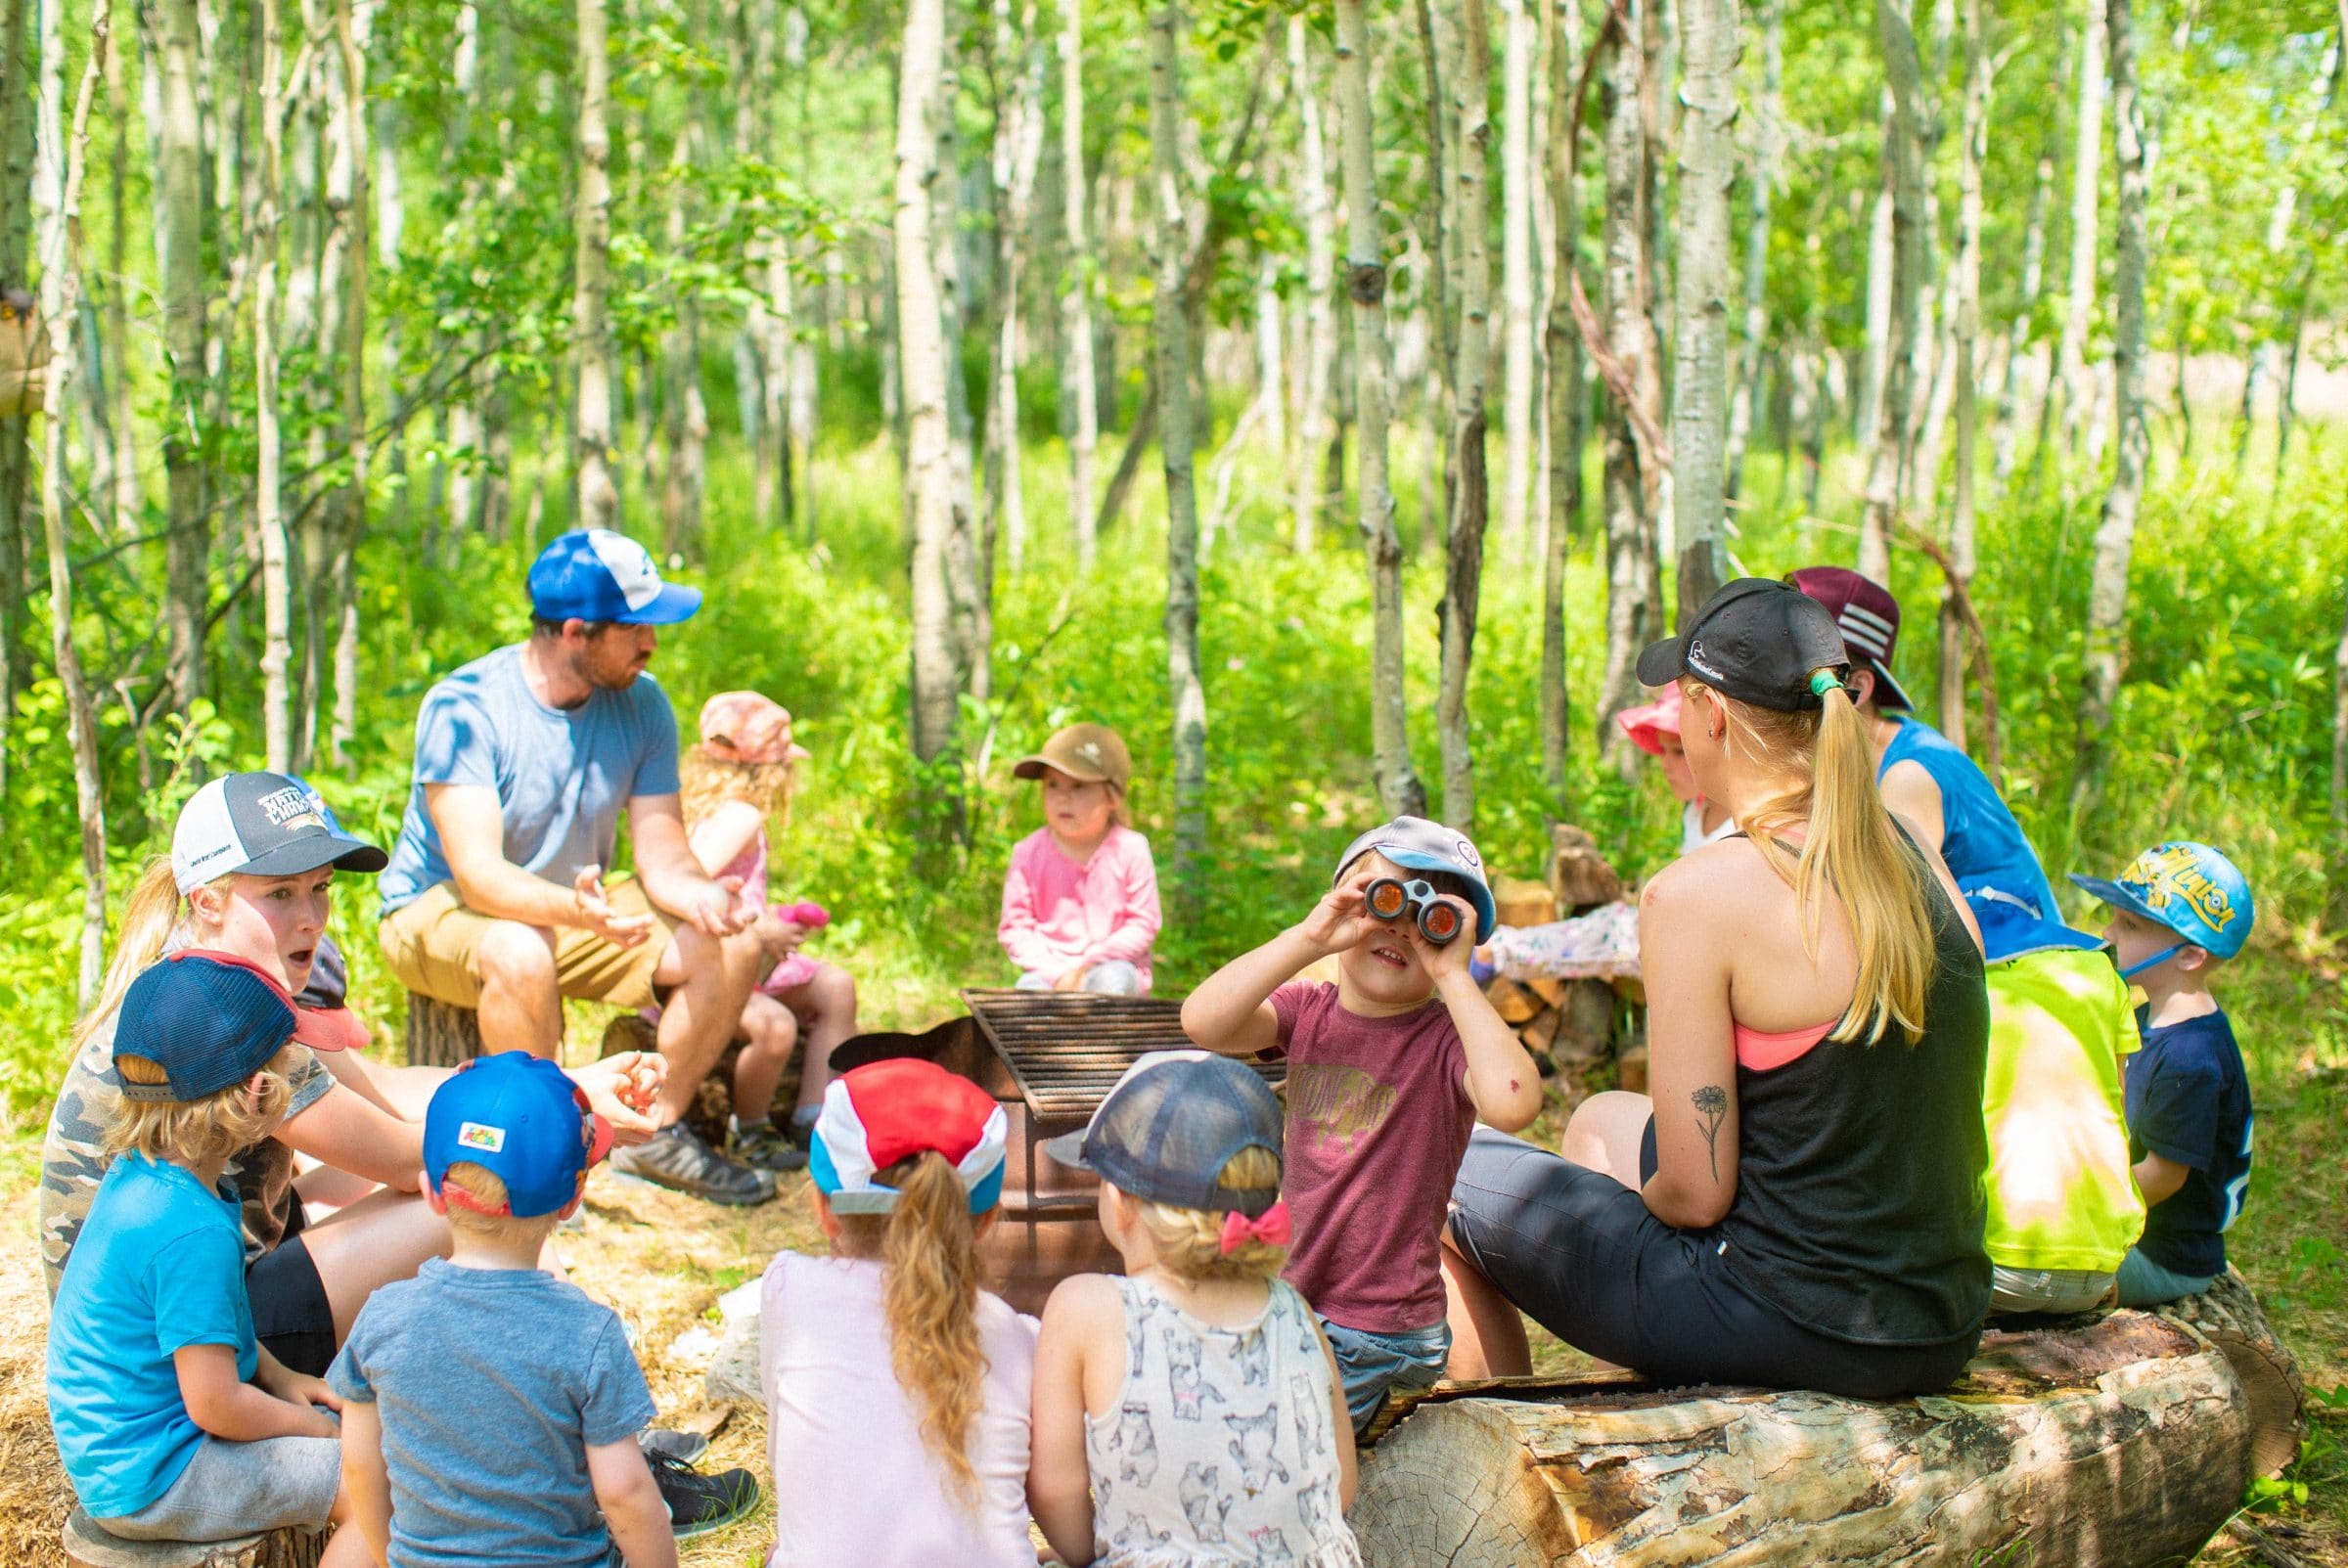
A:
1387	899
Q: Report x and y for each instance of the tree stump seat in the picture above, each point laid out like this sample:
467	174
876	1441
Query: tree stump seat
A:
88	1546
2099	1442
440	1034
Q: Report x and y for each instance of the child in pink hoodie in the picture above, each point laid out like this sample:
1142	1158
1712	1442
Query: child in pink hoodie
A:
1080	903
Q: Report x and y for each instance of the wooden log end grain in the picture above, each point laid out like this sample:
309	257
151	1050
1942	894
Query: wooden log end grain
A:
1578	874
440	1034
89	1546
1520	901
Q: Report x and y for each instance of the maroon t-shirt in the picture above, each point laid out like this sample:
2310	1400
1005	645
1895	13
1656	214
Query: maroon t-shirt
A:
1377	1120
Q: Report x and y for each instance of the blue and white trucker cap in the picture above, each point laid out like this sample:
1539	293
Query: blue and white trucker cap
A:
263	825
593	574
1416	845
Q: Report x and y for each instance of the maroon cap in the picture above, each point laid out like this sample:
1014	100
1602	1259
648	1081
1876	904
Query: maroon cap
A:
1869	618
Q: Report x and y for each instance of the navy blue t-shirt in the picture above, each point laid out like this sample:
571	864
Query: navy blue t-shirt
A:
2187	1100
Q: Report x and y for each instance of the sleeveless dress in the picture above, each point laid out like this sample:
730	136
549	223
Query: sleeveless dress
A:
1223	1449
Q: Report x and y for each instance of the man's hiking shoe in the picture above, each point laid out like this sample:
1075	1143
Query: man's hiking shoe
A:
682	1446
766	1147
675	1157
699	1504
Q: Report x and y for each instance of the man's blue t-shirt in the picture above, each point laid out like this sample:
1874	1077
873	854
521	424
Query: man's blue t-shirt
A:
159	1265
563	775
1981	842
2187	1100
491	1385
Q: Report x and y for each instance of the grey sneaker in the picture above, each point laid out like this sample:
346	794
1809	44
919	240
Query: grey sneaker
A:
699	1504
682	1446
765	1147
675	1157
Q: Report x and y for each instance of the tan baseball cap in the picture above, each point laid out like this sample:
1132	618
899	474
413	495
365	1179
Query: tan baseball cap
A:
1090	753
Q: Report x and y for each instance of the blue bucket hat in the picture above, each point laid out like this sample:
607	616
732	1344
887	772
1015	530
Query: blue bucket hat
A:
2188	887
1416	845
593	574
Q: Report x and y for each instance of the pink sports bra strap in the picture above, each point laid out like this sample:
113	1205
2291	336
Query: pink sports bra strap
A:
1757	1052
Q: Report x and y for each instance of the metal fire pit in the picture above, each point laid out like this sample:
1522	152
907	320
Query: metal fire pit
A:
1050	1057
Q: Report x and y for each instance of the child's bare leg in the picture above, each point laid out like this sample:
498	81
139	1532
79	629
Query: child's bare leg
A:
769	1031
347	1546
1487	1332
828	1005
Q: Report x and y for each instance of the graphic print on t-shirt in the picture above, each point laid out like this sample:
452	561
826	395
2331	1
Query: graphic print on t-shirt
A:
1335	1106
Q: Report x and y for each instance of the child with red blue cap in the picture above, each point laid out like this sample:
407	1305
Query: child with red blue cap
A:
2179	911
490	1411
895	1388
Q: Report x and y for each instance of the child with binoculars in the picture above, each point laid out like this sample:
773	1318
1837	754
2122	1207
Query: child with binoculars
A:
1388	1070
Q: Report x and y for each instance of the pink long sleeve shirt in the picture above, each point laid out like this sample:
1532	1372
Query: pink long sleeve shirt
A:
1059	915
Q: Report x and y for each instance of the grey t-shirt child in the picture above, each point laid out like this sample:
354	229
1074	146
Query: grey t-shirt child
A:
491	1385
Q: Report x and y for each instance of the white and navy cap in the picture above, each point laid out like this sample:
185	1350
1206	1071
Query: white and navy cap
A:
593	574
1420	845
262	824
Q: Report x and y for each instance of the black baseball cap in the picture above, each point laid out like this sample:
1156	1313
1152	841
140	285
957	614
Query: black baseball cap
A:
1758	640
208	1024
264	825
1171	1124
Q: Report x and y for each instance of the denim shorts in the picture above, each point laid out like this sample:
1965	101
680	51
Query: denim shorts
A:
241	1489
1367	1364
2145	1283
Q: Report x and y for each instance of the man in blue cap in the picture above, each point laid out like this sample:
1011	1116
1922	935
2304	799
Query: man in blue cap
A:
495	897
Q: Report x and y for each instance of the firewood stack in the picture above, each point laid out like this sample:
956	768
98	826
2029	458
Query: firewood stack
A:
1572	1027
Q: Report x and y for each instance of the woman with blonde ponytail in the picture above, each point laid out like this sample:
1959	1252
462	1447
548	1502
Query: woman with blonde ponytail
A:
896	1389
1799	1202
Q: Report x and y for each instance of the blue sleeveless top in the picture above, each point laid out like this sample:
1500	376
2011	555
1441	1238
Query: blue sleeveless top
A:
1980	841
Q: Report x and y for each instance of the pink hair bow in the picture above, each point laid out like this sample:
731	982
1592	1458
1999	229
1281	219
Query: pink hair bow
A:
1270	1228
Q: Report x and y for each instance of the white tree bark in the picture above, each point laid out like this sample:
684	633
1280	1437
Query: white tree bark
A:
1700	383
1076	282
2034	265
596	492
1398	787
1565	403
1631	587
350	521
1895	426
685	412
1747	393
2115	536
1470	493
1017	150
2278	231
277	588
2072	390
1319	359
1172	331
1875	359
1971	155
1519	441
179	234
58	170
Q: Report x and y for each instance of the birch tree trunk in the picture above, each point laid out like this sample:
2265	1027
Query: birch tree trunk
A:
2072	391
969	580
687	415
1895	427
1971	155
1017	150
57	198
2339	901
1076	282
595	484
1399	790
1699	384
179	225
1747	393
921	372
277	588
1878	355
17	102
2277	238
1631	544
1565	405
1318	359
2116	537
1172	331
1517	275
351	523
1470	497
2033	281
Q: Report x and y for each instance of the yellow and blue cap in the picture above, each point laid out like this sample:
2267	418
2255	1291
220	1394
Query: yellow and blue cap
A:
2188	887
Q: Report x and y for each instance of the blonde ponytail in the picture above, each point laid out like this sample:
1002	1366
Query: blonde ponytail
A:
1852	853
928	1246
148	916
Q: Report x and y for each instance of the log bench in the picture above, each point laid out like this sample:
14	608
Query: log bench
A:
2100	1442
89	1546
440	1034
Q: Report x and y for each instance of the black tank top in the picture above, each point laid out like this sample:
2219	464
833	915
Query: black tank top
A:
1859	1207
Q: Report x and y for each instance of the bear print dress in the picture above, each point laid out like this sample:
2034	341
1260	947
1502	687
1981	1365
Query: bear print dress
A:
1221	1451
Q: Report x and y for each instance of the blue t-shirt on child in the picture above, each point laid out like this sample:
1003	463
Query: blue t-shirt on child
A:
2187	1100
160	1266
563	775
491	1385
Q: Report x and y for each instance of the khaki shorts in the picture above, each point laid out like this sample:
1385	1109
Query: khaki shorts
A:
432	945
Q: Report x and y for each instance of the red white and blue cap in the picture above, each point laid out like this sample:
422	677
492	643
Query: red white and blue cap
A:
891	1110
522	1119
263	825
593	574
2191	888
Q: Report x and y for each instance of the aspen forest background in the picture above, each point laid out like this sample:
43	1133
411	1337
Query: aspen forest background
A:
1332	400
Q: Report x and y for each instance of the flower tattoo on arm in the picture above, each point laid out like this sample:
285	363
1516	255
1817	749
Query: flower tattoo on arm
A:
1712	1104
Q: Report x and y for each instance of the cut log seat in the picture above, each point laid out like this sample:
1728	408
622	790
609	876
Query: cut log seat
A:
440	1034
89	1546
2118	1442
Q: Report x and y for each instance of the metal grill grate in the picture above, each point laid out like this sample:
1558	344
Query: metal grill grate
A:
1066	1051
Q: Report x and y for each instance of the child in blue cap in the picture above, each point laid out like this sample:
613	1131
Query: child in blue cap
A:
490	1410
2177	912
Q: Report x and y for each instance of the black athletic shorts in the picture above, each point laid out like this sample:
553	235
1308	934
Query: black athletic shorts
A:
1579	1253
290	1315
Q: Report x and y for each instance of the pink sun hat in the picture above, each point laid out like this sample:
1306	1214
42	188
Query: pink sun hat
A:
1647	724
748	727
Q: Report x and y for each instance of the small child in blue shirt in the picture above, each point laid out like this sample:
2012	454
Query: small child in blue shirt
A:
2177	912
490	1411
172	1422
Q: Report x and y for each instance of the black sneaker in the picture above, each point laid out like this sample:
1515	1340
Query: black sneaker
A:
675	1157
699	1504
765	1147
